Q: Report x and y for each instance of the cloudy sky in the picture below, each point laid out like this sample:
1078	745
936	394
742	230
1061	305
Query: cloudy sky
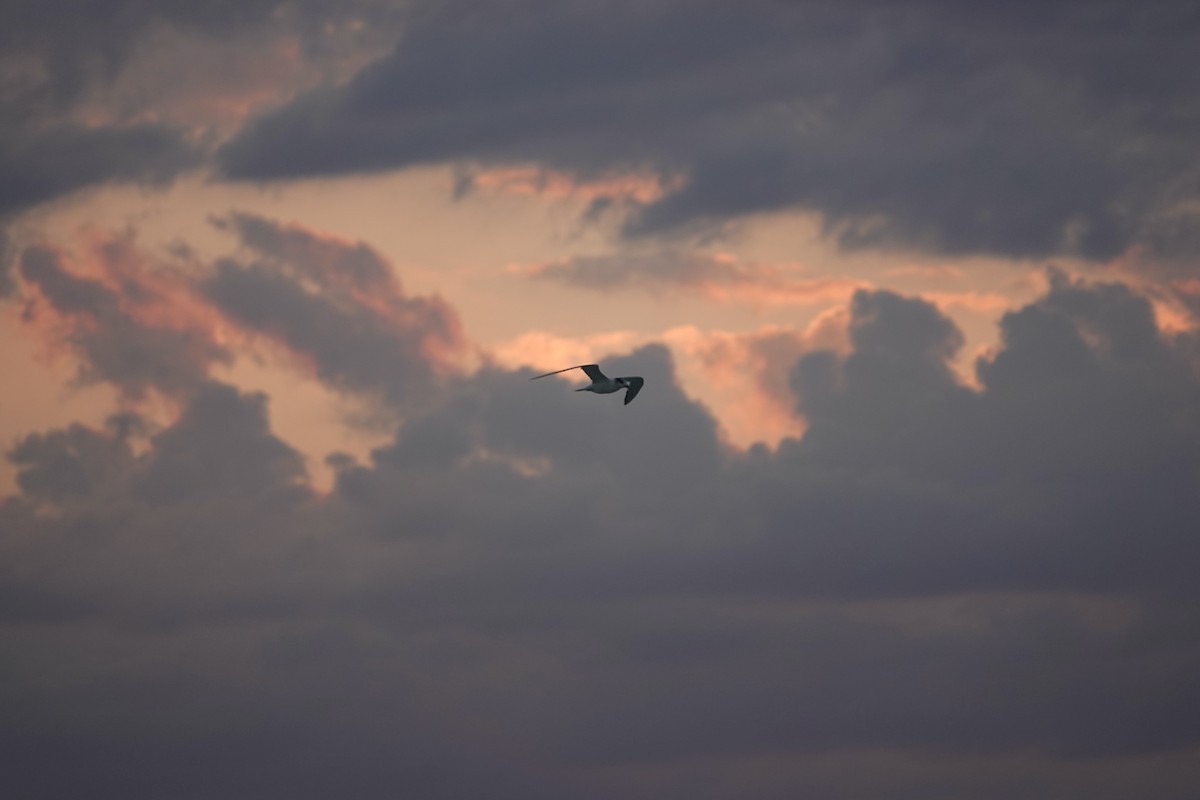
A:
907	508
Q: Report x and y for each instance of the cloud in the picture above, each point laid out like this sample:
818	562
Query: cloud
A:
155	326
8	282
546	594
219	449
72	462
41	164
718	276
128	326
56	57
93	94
741	376
338	306
974	590
321	258
602	192
59	53
1021	132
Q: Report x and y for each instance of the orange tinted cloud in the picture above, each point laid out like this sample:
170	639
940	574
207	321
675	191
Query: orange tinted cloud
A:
745	376
741	376
991	303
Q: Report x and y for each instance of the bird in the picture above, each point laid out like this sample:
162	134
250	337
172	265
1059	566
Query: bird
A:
601	383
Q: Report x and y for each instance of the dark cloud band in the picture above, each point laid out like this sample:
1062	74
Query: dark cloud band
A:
1032	130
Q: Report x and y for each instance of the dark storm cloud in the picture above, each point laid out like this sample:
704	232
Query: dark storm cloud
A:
1022	130
535	593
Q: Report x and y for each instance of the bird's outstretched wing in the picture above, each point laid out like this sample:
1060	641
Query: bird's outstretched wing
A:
592	370
635	386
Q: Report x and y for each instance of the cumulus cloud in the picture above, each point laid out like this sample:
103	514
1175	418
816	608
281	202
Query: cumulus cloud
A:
544	593
741	375
1022	131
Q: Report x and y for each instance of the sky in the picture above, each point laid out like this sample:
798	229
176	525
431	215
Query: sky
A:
906	509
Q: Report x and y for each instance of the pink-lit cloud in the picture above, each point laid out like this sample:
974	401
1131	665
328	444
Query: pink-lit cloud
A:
160	323
123	320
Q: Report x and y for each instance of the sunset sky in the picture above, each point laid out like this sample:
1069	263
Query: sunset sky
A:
909	506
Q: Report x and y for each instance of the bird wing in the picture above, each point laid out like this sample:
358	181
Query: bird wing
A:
592	370
635	386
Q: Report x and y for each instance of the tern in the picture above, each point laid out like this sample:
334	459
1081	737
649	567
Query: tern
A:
601	383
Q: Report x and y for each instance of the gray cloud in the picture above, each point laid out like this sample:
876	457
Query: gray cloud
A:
220	450
323	259
1024	130
938	591
716	276
105	330
59	51
148	325
665	268
62	126
8	283
536	593
56	56
338	305
67	463
40	165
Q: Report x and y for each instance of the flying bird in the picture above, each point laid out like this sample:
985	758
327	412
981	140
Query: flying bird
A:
601	383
